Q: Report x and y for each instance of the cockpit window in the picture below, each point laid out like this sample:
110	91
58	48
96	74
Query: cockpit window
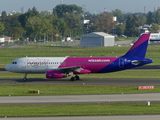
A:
14	62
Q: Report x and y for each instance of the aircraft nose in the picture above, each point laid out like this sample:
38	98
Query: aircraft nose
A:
8	67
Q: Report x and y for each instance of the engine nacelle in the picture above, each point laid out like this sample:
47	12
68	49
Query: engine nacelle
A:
55	74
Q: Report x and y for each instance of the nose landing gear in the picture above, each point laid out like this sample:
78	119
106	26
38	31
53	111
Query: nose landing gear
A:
25	77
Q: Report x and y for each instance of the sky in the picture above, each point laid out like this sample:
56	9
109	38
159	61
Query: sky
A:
92	6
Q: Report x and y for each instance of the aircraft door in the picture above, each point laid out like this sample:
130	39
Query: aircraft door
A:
23	64
121	62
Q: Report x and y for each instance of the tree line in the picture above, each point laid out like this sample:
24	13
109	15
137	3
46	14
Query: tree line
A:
66	21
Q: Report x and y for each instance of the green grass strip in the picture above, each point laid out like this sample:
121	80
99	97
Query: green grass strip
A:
79	109
18	90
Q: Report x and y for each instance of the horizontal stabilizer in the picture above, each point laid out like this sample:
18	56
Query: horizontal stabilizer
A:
136	62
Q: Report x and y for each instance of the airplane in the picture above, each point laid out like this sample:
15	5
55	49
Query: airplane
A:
60	67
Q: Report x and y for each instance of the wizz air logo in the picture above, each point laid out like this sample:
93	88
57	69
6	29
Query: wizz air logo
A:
99	60
37	62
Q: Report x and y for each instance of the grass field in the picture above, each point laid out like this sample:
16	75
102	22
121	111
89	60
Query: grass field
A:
79	109
18	90
10	53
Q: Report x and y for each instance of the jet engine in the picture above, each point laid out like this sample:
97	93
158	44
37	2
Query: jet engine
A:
55	74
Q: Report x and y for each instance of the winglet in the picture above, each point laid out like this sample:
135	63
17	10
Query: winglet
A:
140	47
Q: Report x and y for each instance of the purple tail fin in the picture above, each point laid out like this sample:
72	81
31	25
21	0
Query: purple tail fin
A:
140	47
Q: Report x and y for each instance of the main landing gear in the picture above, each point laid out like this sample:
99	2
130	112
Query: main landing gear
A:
25	77
75	78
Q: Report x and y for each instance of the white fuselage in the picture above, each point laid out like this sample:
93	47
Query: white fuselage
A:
35	64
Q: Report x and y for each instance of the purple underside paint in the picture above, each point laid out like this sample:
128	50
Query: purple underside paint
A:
94	64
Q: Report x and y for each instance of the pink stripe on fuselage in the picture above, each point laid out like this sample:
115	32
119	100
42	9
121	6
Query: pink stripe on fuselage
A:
94	64
141	40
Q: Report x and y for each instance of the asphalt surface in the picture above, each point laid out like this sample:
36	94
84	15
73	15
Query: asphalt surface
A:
76	99
128	81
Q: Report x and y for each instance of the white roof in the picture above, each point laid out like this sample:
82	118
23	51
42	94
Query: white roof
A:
97	34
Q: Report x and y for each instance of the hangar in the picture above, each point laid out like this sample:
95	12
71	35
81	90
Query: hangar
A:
97	39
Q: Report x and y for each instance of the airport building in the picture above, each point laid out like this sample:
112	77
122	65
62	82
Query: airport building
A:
97	39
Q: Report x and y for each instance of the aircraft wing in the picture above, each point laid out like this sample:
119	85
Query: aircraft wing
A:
69	69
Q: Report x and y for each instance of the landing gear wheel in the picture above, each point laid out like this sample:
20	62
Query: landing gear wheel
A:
77	77
25	79
72	78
